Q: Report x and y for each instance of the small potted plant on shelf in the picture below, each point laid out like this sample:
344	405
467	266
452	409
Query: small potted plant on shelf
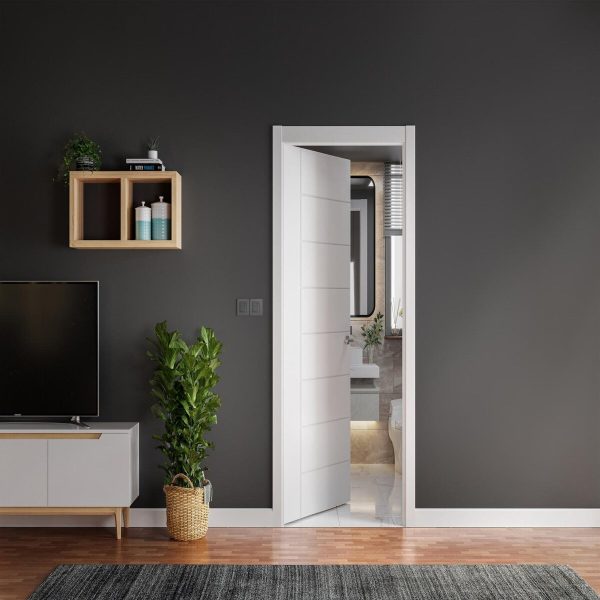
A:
80	154
372	335
182	384
152	146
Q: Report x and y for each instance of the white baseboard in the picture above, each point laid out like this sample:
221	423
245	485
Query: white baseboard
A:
264	517
503	517
148	517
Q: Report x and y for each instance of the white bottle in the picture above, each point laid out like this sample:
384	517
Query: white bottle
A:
142	222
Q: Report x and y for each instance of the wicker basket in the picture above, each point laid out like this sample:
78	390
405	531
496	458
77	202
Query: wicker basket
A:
187	514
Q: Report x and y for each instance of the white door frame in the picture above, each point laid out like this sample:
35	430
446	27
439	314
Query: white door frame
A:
403	136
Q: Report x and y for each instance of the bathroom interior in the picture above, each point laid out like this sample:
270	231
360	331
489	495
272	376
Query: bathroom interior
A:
376	286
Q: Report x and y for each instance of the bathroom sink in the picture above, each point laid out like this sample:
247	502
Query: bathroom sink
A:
364	371
360	370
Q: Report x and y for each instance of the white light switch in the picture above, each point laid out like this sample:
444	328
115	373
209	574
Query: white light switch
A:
242	307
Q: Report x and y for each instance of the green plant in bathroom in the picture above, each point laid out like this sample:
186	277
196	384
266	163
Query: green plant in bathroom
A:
397	314
372	334
81	154
182	385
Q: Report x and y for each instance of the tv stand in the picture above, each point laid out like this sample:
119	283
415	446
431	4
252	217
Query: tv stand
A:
58	469
77	421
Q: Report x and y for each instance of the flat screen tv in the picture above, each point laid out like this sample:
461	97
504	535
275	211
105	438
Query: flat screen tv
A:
48	348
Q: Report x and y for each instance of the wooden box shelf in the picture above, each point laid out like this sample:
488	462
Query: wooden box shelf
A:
126	180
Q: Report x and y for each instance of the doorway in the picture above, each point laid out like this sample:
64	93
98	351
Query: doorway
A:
313	345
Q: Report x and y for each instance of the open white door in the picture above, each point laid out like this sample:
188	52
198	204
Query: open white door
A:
315	325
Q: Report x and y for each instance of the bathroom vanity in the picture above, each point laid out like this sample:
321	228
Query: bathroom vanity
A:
364	392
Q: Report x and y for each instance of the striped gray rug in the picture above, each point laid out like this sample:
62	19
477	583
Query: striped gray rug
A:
310	582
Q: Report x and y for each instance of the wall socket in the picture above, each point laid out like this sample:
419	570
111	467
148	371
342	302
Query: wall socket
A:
249	307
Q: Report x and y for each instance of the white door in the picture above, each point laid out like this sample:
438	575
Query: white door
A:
315	326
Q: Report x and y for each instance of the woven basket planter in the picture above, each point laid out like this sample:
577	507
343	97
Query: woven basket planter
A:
187	514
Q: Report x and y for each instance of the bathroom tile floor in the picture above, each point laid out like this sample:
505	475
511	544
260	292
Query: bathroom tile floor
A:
375	496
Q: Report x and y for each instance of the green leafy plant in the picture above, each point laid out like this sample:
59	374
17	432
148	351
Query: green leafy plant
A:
372	332
152	143
182	385
80	148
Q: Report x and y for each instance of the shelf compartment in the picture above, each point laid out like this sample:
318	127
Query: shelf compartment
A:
160	180
148	192
102	211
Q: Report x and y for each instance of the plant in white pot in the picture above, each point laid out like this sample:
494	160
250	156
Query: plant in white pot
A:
182	384
153	147
372	335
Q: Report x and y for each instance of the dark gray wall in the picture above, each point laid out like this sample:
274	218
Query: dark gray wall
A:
505	97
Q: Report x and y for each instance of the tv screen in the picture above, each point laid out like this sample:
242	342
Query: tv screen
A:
48	349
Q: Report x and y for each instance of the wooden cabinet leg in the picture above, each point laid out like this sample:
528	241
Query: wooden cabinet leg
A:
126	517
118	523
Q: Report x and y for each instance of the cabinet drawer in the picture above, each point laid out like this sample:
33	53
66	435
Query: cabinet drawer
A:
365	406
90	472
23	480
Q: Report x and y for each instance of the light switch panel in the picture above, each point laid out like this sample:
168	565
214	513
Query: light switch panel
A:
242	307
256	307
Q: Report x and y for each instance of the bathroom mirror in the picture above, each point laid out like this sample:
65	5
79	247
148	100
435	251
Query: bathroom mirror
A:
362	247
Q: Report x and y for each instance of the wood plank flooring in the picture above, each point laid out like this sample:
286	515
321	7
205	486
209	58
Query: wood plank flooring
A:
27	555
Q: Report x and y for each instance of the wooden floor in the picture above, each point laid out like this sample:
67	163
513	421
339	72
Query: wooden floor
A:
27	555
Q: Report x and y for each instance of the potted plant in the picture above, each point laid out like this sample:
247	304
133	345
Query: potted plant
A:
182	384
372	335
152	146
397	317
80	154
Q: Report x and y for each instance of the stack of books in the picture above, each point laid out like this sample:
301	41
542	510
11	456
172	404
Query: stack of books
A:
144	164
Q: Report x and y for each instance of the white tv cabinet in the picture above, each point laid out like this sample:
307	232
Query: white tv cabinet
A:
63	469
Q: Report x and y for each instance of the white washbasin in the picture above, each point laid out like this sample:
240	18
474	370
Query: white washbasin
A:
360	370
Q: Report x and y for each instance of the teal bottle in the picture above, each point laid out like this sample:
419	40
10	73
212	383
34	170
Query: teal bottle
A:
161	220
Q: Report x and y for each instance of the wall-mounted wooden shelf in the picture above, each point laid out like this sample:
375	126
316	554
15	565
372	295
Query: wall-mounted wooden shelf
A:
126	181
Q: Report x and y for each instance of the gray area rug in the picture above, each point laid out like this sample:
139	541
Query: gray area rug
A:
310	582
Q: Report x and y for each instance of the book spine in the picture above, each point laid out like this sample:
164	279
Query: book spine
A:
133	167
